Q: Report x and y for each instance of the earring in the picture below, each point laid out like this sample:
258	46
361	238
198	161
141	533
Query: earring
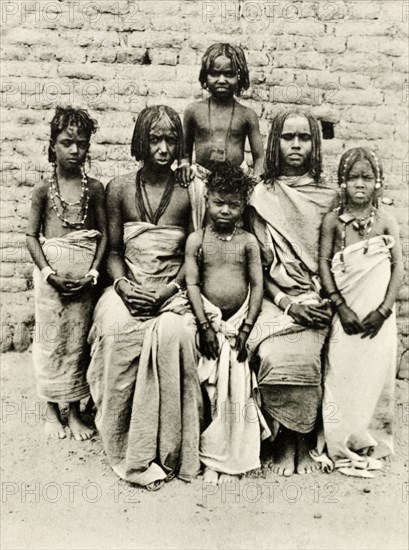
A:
343	185
378	185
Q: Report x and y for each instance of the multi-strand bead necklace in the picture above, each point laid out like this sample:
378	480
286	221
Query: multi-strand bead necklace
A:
363	226
83	201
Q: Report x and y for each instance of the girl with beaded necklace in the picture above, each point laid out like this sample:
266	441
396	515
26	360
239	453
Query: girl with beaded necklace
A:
66	238
361	270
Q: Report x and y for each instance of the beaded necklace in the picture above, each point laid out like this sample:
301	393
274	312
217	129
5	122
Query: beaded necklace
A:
361	225
84	200
228	238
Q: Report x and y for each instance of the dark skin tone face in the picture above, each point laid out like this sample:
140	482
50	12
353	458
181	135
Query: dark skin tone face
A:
295	145
155	174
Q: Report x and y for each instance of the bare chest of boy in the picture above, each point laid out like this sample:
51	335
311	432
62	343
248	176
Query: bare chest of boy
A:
224	274
217	133
178	211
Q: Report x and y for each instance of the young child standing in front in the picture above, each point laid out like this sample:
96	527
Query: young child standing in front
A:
225	288
66	238
361	270
217	127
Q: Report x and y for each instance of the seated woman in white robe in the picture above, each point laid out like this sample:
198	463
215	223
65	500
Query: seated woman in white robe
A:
361	269
143	373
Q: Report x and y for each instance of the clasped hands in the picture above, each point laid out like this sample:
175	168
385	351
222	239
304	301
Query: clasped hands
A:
370	326
311	315
140	301
68	288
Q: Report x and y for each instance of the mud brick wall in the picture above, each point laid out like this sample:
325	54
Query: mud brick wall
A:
345	60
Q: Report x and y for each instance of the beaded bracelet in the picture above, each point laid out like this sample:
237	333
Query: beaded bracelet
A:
204	325
177	284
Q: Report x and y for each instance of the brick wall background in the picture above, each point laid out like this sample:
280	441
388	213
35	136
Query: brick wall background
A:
345	60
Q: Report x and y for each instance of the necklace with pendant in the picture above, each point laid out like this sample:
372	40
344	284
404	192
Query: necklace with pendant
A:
360	224
363	226
228	238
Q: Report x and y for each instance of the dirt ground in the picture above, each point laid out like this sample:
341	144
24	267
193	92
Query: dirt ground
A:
64	495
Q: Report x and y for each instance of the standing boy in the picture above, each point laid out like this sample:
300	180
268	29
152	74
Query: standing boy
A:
66	238
217	127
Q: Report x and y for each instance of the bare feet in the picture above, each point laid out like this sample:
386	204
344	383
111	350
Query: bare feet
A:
305	464
155	485
210	476
79	429
284	455
52	422
227	478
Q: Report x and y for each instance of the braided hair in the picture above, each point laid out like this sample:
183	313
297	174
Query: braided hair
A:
146	120
348	159
272	162
238	63
225	177
65	117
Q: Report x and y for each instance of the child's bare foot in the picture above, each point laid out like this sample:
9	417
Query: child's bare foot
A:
78	428
210	476
284	456
52	422
227	478
305	464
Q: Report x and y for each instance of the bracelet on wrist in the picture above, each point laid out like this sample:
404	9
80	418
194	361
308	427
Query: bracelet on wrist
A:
46	272
385	312
204	325
177	284
94	274
117	281
278	298
287	309
338	302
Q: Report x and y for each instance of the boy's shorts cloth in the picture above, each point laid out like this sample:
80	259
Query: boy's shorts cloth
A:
231	443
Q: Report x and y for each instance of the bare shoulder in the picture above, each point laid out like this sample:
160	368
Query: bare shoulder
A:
330	220
95	186
194	240
117	185
248	238
40	190
388	222
193	109
247	113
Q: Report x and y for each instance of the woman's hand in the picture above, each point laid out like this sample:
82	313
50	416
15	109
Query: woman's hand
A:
349	320
209	343
184	174
137	300
372	324
162	294
311	315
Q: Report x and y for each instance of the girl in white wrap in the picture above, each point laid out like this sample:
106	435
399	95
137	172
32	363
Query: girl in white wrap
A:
66	238
361	270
